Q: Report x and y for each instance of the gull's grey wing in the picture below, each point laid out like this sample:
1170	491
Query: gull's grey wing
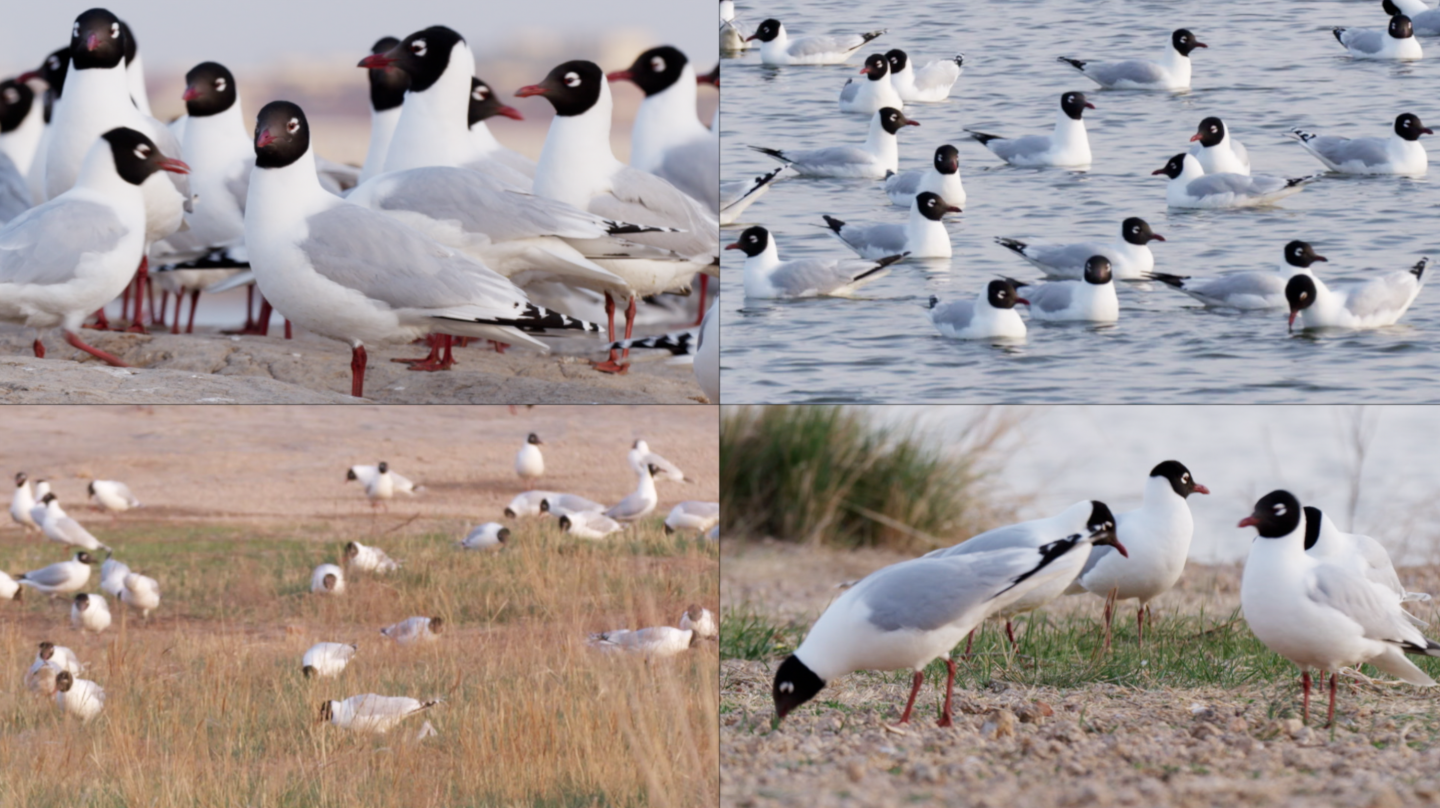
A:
833	156
1238	184
1001	538
239	185
386	261
695	169
573	502
44	244
1134	70
1016	148
1363	40
702	509
882	239
1241	284
1382	570
343	176
849	91
906	184
1066	256
1350	594
1097	552
1389	292
734	192
1050	297
627	508
667	469
957	315
817	275
1367	151
74	533
53	575
14	191
813	45
372	706
927	593
1240	151
643	198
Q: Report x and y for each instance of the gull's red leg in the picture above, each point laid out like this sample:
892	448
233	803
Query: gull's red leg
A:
357	371
93	351
194	304
1305	686
610	365
949	691
914	689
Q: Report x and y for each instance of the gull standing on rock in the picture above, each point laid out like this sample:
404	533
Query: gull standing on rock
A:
326	659
529	463
415	629
90	612
327	579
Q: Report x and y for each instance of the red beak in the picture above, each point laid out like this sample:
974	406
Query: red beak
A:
1201	45
865	70
1157	171
1200	489
707	79
375	61
734	246
909	122
190	94
620	75
92	42
1249	521
1022	300
1089	105
1156	237
510	112
31	76
1292	320
1425	131
752	36
1120	548
531	89
174	166
1195	137
265	139
953	209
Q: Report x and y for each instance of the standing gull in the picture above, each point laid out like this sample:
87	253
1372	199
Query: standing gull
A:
529	463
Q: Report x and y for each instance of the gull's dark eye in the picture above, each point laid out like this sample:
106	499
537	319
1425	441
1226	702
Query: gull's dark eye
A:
114	30
292	126
220	84
418	47
142	151
479	94
572	79
657	64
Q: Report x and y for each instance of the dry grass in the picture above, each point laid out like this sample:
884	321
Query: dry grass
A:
206	704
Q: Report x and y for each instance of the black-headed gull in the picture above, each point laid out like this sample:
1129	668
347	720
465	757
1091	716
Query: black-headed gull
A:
640	456
692	515
1172	72
1318	613
656	642
58	526
365	558
1086	516
90	613
381	483
766	276
943	179
63	578
927	84
907	615
1397	41
991	315
640	503
64	259
327	579
1370	303
874	161
22	503
415	629
143	593
873	93
372	713
557	504
1217	151
1400	153
699	619
81	698
52	72
326	659
14	194
1191	187
112	577
1249	290
737	195
484	105
1090	299
111	496
489	536
922	235
1157	534
1066	146
1356	551
1424	20
778	48
589	525
1130	257
387	92
668	139
526	503
22	124
529	463
58	657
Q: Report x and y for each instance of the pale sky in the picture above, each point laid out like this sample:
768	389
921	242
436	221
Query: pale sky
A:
174	34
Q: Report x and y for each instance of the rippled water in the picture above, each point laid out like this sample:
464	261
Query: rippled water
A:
1266	70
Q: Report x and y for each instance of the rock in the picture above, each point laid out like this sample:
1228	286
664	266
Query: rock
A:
1238	724
998	724
855	771
1384	797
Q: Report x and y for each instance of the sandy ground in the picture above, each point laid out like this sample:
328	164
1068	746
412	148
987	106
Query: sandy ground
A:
1015	745
216	368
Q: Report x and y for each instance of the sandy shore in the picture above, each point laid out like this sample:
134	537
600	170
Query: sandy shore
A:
216	368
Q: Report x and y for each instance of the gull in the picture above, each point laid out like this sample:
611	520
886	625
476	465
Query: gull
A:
733	32
1157	535
527	503
1091	299
692	515
143	593
90	612
1191	187
63	578
1425	20
9	590
1250	289
1372	303
327	579
368	559
1397	41
921	235
641	502
112	497
22	503
58	526
640	456
707	354
658	642
1217	151
1067	145
40	679
484	105
81	698
112	577
387	92
1318	613
766	276
1130	256
565	504
991	315
927	84
57	656
415	629
943	180
372	713
875	160
777	48
327	659
529	463
1355	551
1400	153
700	620
875	92
381	483
491	535
909	614
1172	72
589	525
668	139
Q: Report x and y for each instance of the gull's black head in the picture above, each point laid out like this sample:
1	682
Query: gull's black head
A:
897	59
653	469
932	207
1180	480
1100	517
1184	41
20	478
767	31
655	70
1074	104
387	84
209	89
752	242
1400	27
282	135
16	101
565	523
1210	133
947	159
351	549
1136	230
82	601
48	498
534	440
383	467
1173	168
794	685
503	535
1408	126
424	56
892	119
484	104
127	38
876	67
64	681
84	558
1097	270
1001	294
309	671
1300	254
137	157
90	489
572	88
1276	515
437	625
97	40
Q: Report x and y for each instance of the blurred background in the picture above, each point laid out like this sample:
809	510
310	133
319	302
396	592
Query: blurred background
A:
306	52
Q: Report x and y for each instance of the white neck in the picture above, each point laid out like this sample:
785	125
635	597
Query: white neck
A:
881	143
664	120
216	141
1159	494
1190	170
759	267
576	162
281	198
98	173
433	128
95	101
483	139
921	232
382	131
646	488
775	46
1176	65
135	78
1070	132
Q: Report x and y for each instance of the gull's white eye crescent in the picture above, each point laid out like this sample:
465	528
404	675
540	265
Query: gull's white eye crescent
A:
114	30
220	84
657	64
418	47
75	31
787	687
479	93
142	151
1279	509
572	79
292	126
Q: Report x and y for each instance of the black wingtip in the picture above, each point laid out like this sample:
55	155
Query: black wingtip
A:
681	343
776	153
1011	244
1419	269
1177	281
833	223
891	259
1075	63
873	34
217	258
982	137
624	229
